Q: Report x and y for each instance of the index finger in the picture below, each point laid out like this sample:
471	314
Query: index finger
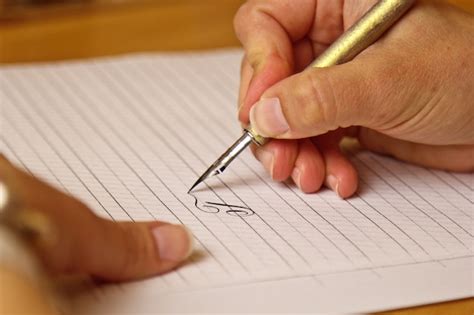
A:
267	30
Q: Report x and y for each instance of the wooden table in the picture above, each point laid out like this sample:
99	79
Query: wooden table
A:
98	28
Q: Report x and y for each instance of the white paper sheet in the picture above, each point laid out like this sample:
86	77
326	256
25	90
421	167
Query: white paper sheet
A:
129	136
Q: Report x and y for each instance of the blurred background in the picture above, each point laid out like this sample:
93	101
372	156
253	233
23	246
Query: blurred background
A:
34	30
38	30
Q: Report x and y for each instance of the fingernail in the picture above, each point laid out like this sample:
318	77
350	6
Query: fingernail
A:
296	175
266	158
174	242
267	119
333	183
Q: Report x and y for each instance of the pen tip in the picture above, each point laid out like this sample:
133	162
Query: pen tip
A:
194	185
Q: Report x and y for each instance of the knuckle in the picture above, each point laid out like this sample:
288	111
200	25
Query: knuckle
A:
242	16
238	17
136	251
323	100
380	102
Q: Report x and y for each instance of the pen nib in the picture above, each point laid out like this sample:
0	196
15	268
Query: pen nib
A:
211	171
225	159
195	184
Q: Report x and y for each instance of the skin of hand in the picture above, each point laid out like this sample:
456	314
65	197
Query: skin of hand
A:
409	95
71	239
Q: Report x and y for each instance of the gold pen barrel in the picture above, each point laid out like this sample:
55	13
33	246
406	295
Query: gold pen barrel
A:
363	33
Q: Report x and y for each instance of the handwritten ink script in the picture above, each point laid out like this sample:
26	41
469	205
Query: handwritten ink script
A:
222	207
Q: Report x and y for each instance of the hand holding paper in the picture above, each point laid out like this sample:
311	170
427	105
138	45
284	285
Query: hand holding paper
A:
70	238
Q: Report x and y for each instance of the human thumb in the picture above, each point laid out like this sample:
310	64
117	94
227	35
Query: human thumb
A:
69	238
316	101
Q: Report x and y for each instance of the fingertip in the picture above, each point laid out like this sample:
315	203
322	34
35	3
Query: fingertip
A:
267	118
174	243
266	73
349	182
296	176
246	75
344	184
244	114
278	158
307	184
341	175
140	249
266	157
308	173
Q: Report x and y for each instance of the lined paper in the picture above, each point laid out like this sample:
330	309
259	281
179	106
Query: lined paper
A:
129	135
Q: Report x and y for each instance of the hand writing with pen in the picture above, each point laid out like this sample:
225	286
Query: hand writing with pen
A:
409	95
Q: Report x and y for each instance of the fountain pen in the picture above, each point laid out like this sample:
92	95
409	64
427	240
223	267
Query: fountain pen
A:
357	38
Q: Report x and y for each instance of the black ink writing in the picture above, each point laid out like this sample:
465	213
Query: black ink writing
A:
217	207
